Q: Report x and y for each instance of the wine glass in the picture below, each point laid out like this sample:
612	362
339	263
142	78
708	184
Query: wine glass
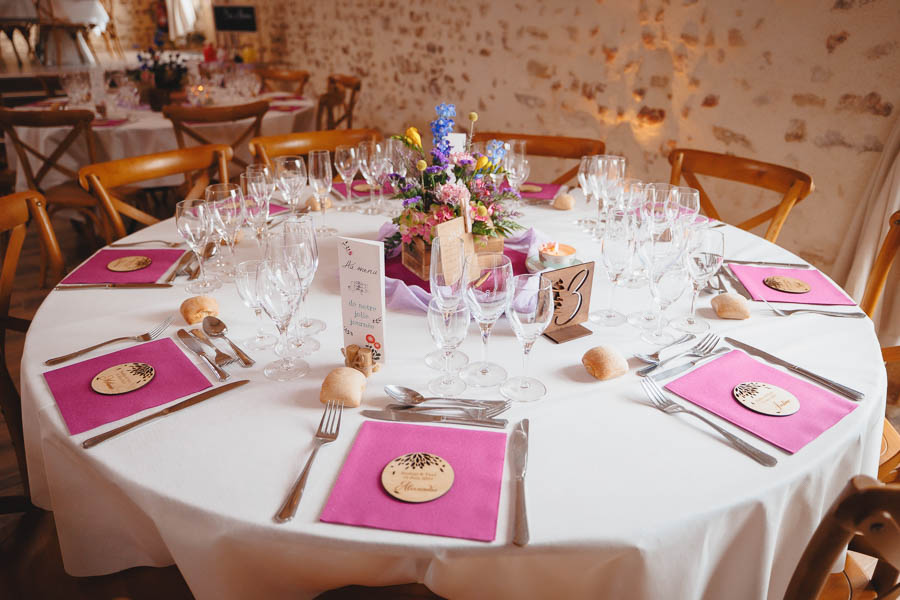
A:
320	177
302	230
617	250
706	250
529	315
194	224
662	255
258	187
448	327
371	168
227	204
346	162
585	166
245	280
291	178
279	289
447	279
517	170
488	291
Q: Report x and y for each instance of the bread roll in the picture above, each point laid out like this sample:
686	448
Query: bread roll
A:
313	203
564	202
344	385
196	307
603	363
731	306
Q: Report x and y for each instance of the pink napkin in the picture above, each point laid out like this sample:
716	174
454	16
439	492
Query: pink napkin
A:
821	290
107	122
286	107
393	268
95	271
711	385
82	408
548	191
274	209
468	510
341	188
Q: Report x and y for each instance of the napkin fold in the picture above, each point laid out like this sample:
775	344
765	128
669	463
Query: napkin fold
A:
94	270
468	510
822	291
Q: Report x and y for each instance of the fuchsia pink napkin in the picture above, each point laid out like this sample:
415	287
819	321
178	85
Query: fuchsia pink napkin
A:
107	122
711	385
82	408
548	191
95	271
274	209
341	188
393	268
468	510
821	290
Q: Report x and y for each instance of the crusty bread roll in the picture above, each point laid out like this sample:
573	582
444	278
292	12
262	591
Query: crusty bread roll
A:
344	385
604	363
564	202
196	307
313	204
731	306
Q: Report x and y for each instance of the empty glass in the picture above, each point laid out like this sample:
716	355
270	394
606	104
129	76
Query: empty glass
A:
290	174
617	251
529	314
706	250
447	279
245	281
488	291
320	177
371	166
585	167
346	162
194	224
227	204
258	186
279	290
517	171
448	327
302	230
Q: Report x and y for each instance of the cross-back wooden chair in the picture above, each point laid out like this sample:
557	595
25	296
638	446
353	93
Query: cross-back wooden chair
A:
336	105
110	34
50	24
17	211
549	146
195	163
183	117
296	77
792	184
265	149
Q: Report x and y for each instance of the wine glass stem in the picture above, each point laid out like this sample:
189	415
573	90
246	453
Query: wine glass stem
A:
612	291
485	338
448	375
260	333
696	293
526	352
659	318
287	359
201	265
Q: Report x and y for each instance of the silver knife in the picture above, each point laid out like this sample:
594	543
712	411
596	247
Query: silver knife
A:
518	460
93	441
195	347
767	263
688	365
832	385
405	416
85	286
450	411
738	286
180	266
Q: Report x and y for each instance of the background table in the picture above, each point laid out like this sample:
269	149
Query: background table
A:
623	500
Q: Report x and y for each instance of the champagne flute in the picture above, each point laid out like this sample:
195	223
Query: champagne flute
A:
585	167
320	177
370	158
346	162
194	225
303	230
227	204
291	179
448	327
529	313
256	186
447	279
617	251
245	281
488	291
704	258
279	290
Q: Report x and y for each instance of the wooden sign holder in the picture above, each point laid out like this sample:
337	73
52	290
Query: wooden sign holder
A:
571	302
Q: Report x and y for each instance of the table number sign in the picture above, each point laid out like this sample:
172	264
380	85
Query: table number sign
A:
571	301
361	268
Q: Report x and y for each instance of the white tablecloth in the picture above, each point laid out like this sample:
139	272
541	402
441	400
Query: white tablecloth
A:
146	132
623	500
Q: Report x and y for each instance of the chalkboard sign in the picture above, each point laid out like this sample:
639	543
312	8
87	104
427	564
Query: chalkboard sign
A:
234	18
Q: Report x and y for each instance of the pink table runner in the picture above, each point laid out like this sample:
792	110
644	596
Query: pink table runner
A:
821	290
95	271
468	510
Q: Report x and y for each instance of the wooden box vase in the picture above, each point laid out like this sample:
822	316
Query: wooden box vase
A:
416	256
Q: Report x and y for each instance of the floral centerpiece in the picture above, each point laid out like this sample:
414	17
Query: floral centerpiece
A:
454	184
161	74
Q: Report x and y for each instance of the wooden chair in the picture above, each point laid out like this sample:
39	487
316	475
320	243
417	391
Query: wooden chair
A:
264	149
550	146
51	25
195	163
878	277
295	77
792	184
867	516
183	117
110	34
336	105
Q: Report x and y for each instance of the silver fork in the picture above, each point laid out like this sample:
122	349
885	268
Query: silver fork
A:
144	337
329	427
222	358
653	358
702	348
800	311
658	399
129	244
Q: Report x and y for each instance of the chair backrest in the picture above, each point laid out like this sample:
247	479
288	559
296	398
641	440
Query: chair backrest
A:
183	117
296	76
792	184
78	120
265	149
867	516
882	266
336	105
16	211
549	145
101	178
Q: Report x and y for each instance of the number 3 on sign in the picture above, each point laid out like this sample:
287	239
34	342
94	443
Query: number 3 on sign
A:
573	288
571	301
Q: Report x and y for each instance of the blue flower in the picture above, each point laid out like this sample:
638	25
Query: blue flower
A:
434	169
495	151
445	110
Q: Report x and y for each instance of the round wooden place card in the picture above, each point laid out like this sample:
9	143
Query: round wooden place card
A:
787	284
364	187
766	398
417	477
123	378
529	187
129	263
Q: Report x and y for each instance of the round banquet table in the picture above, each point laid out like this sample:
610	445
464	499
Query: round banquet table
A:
624	501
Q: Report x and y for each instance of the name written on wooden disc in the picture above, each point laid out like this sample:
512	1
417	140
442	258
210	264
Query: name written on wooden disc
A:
129	263
766	398
529	187
123	378
364	187
417	477
787	284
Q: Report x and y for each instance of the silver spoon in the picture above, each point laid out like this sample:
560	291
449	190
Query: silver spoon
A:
215	327
412	397
654	358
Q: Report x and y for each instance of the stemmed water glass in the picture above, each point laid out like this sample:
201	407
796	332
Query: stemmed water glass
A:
529	314
607	179
346	162
488	291
320	177
662	255
245	281
617	246
371	166
688	200
585	167
258	186
303	230
227	204
279	289
194	224
704	256
290	174
447	278
517	171
448	327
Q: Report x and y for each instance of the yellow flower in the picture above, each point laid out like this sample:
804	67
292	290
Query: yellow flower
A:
421	165
473	116
481	210
413	135
482	162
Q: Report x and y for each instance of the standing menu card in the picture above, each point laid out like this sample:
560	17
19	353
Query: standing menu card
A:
361	266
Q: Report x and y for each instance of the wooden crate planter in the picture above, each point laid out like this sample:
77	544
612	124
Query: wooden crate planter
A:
416	256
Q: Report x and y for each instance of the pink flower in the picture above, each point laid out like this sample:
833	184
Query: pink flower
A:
462	158
454	193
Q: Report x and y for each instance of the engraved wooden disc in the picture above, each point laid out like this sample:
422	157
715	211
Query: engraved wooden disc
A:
123	378
766	398
417	477
787	284
364	187
529	187
129	263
